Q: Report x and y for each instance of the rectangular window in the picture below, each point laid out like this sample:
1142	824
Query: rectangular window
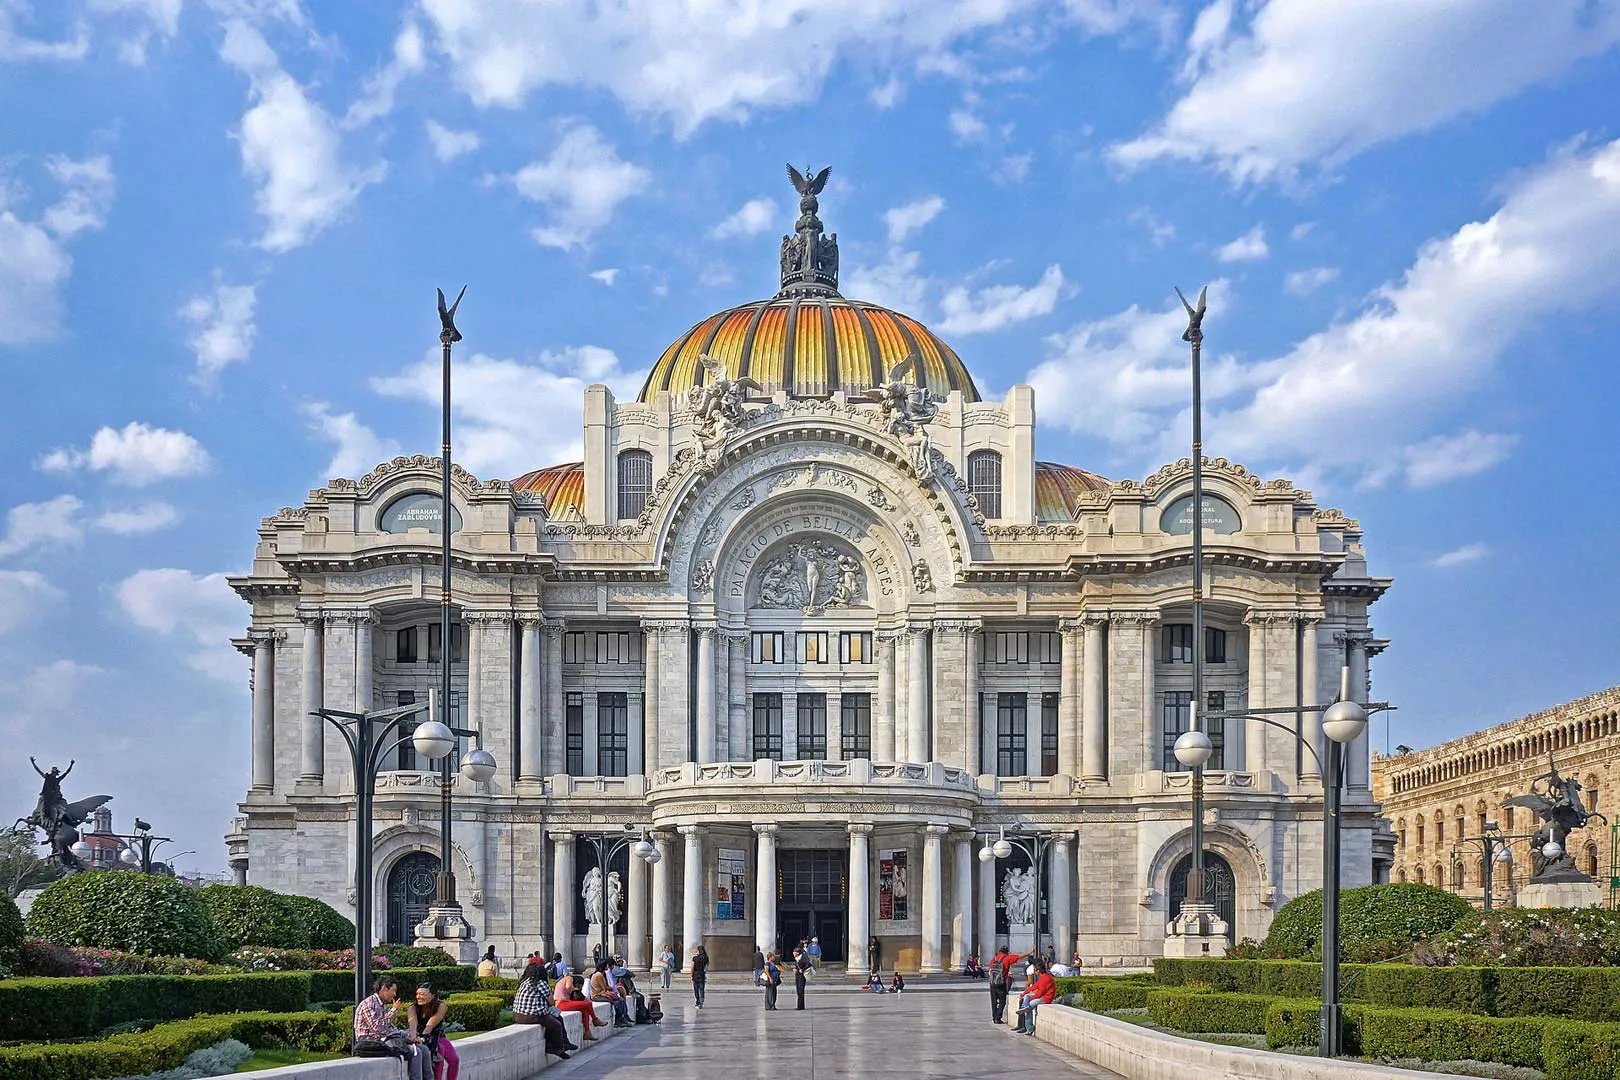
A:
613	734
855	647
1215	728
855	726
1010	647
405	645
1439	830
574	733
576	648
1049	734
1051	647
1214	645
768	647
1177	716
408	760
812	727
456	647
616	647
813	647
767	725
1012	734
1178	643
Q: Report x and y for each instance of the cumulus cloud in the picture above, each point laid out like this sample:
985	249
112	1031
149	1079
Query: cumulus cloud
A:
581	184
1277	87
1246	248
222	328
896	281
1468	553
136	454
997	307
377	92
34	262
904	220
750	219
290	148
515	416
1305	282
130	521
358	448
16	45
52	523
449	144
199	608
1449	457
606	276
24	596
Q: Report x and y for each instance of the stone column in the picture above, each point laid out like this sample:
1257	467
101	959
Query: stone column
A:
662	930
531	678
705	694
917	748
312	765
971	707
961	900
473	623
765	888
738	745
636	953
1069	630
691	896
264	708
652	654
674	695
1358	772
1094	716
1152	720
556	751
562	893
1310	723
636	740
860	898
986	924
883	716
364	671
932	898
1061	905
1255	756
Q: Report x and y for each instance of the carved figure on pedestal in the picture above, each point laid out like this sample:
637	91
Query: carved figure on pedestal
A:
59	819
1556	799
908	408
1018	893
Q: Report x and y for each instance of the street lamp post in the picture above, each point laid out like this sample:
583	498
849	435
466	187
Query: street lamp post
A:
148	844
1493	844
607	848
1033	845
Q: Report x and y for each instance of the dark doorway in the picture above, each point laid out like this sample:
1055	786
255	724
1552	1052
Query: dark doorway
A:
410	894
1220	886
812	900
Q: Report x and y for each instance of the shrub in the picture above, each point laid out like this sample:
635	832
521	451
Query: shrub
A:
131	912
1529	937
477	1011
447	980
411	956
40	957
1576	1051
1106	993
328	928
11	932
249	915
1298	1023
1376	922
35	1008
495	982
1189	1011
259	958
216	1060
1441	1035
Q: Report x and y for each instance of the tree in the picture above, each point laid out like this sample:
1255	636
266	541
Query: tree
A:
20	865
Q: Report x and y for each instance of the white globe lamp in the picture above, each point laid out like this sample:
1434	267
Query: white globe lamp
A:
432	740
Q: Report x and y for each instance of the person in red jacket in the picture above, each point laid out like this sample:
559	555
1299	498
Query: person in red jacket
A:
1001	977
1041	992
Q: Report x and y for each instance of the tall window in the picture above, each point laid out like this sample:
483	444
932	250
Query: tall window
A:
1009	647
405	645
984	481
1051	647
1178	643
813	647
1215	728
812	727
576	647
635	482
616	647
574	733
767	726
855	726
1049	734
855	647
768	646
456	640
1214	645
1177	718
1012	734
408	760
612	734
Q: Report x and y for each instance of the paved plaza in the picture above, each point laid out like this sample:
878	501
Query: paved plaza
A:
940	1035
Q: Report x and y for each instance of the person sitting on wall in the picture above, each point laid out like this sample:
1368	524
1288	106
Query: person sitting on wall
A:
571	998
1041	991
601	990
489	967
533	1005
376	1036
973	969
427	1016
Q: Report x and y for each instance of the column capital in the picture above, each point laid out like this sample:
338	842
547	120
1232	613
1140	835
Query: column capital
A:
735	637
312	617
917	630
664	626
933	829
1071	624
1141	620
1092	620
768	829
266	635
1268	618
530	620
488	616
706	630
357	616
1353	637
859	828
960	626
559	833
687	831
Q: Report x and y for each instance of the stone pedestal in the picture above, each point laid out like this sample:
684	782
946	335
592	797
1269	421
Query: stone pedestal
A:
1020	938
445	928
1560	894
1195	933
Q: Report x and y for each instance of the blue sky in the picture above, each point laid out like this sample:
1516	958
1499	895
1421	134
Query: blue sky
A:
221	223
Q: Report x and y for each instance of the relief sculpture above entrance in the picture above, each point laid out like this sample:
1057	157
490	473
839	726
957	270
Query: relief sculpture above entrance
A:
812	576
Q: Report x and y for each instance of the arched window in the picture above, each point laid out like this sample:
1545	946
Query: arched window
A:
1420	875
1402	874
984	481
1591	860
635	482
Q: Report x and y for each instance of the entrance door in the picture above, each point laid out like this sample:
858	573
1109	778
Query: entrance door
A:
812	891
1219	885
410	894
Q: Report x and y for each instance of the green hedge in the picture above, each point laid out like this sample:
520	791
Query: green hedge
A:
1571	1050
167	1045
328	928
1106	993
131	912
11	934
249	915
1197	1013
478	1011
1376	922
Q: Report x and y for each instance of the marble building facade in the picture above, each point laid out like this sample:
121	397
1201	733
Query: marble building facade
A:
818	643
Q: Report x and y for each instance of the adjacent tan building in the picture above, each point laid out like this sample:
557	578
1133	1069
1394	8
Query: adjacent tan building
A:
1438	800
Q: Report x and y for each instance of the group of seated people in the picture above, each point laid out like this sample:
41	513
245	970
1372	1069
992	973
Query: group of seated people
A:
897	985
1041	990
421	1045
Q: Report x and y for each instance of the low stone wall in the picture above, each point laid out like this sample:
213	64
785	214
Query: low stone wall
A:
1138	1053
511	1053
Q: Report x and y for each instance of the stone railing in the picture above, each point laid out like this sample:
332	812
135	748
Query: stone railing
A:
1175	783
602	787
858	772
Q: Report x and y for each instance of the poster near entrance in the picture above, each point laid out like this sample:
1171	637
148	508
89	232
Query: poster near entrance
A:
731	889
893	885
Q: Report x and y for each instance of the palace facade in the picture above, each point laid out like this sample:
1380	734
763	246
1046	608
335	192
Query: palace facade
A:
820	643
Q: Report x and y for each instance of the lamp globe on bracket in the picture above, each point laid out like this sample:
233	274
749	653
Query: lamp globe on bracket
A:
646	850
1505	856
1344	720
81	850
128	857
1002	848
1193	748
985	854
478	766
433	740
1552	850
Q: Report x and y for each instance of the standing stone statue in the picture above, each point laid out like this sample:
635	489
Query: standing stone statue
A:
1556	799
58	818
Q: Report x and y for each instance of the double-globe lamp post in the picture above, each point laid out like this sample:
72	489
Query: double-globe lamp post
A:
1342	723
1034	846
607	848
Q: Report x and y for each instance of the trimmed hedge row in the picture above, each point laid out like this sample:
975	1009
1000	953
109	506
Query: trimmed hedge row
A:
478	1011
1201	1013
1106	993
167	1045
40	1008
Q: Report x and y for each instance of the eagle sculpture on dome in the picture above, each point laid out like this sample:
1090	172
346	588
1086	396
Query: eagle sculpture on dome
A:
719	395
813	185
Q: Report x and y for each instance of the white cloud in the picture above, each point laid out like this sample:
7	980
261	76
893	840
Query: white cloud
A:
999	306
1160	231
34	263
1246	248
896	282
49	524
889	94
1305	83
290	148
606	276
1305	282
136	454
163	15
692	61
222	328
24	596
1302	230
904	220
1013	169
582	183
201	607
358	447
449	144
1450	457
967	125
149	517
1468	553
378	91
751	218
513	416
17	46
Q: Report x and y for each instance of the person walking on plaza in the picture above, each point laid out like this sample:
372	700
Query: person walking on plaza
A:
700	973
801	975
375	1034
772	978
666	964
759	966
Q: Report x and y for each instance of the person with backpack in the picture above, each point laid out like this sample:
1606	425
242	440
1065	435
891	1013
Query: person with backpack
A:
771	978
1001	966
759	966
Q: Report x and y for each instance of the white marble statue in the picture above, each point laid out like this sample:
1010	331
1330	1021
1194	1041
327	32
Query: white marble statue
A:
592	892
1018	891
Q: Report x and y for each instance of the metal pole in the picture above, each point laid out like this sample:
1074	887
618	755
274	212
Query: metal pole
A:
1489	870
445	884
1195	337
1330	1033
362	839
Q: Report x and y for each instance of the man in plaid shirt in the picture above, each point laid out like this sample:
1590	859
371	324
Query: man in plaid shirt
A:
371	1022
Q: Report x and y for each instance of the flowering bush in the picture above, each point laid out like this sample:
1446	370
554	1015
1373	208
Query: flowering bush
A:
258	958
416	956
41	957
1528	937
